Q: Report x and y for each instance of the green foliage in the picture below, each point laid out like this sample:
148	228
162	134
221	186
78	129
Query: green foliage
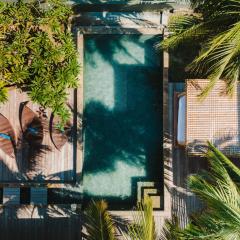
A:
171	229
216	26
3	92
99	223
219	190
38	53
143	227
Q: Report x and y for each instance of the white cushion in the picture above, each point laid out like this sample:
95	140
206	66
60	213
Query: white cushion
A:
181	125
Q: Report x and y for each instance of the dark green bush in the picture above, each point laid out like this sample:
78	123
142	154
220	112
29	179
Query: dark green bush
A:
38	53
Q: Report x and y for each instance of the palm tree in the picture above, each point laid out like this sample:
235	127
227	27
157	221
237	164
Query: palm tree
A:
171	229
99	223
143	226
215	25
219	189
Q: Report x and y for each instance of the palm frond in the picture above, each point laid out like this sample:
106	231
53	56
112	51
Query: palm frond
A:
99	223
216	58
221	196
183	28
233	170
217	30
143	227
170	229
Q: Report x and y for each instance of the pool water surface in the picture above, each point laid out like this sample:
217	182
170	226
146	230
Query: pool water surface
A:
122	116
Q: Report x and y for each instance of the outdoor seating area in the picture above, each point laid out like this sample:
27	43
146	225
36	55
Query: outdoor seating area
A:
214	118
17	196
119	119
32	146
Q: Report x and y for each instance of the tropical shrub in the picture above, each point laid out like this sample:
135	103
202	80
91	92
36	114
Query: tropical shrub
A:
38	53
99	223
143	226
219	189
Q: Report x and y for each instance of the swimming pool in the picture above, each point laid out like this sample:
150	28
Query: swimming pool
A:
122	117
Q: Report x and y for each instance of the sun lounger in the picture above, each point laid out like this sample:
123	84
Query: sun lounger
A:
32	126
59	137
7	136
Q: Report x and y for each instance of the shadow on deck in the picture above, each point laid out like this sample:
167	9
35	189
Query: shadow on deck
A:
40	163
179	167
38	223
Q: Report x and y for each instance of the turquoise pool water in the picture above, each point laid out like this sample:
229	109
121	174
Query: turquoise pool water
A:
122	116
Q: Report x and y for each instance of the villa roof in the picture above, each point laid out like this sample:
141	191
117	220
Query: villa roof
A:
215	118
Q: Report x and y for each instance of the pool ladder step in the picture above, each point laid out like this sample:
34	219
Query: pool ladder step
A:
149	189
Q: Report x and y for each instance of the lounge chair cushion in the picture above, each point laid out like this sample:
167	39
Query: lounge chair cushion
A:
181	125
5	136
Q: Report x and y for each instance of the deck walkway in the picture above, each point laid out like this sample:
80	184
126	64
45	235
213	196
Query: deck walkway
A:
49	163
39	223
183	202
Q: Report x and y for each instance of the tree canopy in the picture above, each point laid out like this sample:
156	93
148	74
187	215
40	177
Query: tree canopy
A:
38	54
219	190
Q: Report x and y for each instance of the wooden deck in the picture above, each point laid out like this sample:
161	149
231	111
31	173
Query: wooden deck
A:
183	202
39	223
46	164
25	222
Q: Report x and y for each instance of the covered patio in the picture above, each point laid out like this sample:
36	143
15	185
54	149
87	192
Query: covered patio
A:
214	118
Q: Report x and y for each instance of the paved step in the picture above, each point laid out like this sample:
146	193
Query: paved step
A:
149	189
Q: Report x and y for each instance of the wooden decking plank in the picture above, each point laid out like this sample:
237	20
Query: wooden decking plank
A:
61	169
56	162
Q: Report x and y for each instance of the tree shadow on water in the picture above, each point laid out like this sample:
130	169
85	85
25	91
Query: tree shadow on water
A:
122	119
107	138
108	47
114	135
128	127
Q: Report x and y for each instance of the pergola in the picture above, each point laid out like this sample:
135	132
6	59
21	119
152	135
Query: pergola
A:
215	118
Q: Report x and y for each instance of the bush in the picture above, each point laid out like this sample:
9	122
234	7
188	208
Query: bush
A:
38	53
